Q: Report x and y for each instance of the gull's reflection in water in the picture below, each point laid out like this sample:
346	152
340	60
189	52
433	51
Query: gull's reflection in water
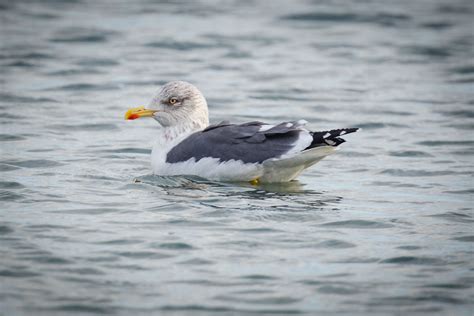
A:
192	187
197	183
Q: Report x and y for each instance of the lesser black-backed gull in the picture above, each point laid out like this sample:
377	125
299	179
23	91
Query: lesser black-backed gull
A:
254	151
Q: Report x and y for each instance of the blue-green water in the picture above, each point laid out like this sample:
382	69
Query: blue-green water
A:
383	227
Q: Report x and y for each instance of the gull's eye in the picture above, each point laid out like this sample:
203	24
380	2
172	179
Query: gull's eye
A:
173	100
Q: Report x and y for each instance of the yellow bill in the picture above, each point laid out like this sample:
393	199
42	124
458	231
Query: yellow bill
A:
134	113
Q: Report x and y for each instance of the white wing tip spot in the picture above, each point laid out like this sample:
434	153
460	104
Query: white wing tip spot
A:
264	128
327	135
289	125
302	122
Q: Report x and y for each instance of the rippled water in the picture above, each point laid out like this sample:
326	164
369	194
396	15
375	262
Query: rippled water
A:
385	226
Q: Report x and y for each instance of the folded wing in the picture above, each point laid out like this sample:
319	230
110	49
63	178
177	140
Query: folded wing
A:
253	142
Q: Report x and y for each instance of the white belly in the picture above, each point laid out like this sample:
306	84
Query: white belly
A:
212	169
273	170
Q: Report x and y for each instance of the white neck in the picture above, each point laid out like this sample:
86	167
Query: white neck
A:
170	134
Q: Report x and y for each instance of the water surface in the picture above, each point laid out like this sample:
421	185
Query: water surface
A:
385	226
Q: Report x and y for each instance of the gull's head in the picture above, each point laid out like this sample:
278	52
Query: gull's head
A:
178	103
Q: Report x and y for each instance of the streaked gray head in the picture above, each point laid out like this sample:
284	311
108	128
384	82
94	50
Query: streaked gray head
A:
180	103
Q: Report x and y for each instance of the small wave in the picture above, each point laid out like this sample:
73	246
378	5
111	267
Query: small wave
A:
416	299
421	101
119	242
10	138
142	255
10	196
81	271
83	308
459	113
465	238
454	217
335	244
196	261
437	25
417	173
37	163
258	277
42	16
7	117
48	259
126	267
391	112
382	18
27	56
80	38
88	211
238	55
172	246
84	87
147	82
465	152
83	127
449	285
357	260
220	309
280	96
12	98
408	247
92	62
17	273
463	70
446	142
5	230
357	224
409	153
45	227
7	167
181	46
338	290
427	51
268	300
413	260
395	184
81	35
196	308
467	191
129	150
102	259
462	80
259	230
74	71
21	63
254	39
190	223
206	282
455	9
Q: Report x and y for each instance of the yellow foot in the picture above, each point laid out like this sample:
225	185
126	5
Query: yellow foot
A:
255	181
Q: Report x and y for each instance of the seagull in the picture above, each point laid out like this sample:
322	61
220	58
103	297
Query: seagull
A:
254	152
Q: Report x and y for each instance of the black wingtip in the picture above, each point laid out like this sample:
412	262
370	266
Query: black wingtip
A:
344	131
331	138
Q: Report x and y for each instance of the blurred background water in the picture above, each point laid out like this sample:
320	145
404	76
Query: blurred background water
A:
385	226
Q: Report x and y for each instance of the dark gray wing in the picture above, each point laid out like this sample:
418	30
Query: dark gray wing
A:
243	142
